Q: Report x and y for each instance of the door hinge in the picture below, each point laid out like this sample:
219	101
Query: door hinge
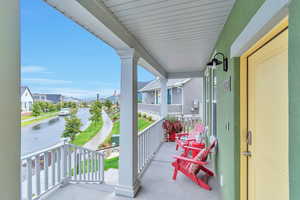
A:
249	137
247	153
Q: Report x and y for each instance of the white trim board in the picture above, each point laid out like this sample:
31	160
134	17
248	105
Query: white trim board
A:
267	16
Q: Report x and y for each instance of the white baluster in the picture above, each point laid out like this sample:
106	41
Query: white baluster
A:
29	179
101	168
37	175
88	166
53	166
79	164
84	165
59	165
46	171
75	164
64	148
69	161
94	167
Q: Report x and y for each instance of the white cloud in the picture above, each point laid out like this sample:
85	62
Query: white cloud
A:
45	81
34	69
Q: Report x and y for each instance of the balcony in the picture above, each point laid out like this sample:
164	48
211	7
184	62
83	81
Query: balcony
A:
155	108
50	173
156	183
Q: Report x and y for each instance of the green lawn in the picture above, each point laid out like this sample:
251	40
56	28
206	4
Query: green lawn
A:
39	118
111	163
142	124
86	135
23	117
114	162
116	128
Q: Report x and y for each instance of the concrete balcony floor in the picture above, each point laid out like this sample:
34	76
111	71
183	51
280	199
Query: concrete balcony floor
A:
156	184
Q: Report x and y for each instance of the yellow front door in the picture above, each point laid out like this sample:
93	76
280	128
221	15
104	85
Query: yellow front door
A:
268	120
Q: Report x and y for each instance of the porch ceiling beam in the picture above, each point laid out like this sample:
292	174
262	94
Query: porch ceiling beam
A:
96	18
185	75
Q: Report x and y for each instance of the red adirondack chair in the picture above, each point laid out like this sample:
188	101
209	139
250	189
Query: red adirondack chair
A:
190	137
192	166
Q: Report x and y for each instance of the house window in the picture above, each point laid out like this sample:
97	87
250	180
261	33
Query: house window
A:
214	103
169	96
157	97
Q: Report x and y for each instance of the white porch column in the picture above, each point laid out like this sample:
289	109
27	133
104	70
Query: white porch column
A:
164	97
128	164
10	142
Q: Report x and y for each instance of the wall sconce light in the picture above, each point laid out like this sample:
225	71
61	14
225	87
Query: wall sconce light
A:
215	62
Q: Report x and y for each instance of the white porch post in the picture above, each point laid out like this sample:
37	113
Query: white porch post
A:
128	164
10	107
164	97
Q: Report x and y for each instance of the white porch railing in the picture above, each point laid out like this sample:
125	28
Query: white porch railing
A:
149	141
46	170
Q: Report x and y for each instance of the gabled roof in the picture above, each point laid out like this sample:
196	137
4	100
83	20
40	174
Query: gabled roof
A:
23	89
155	84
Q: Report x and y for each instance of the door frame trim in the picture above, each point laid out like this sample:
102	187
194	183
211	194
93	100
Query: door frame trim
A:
244	102
268	15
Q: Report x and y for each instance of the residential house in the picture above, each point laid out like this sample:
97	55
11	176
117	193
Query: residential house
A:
26	99
53	98
116	97
247	53
184	96
71	99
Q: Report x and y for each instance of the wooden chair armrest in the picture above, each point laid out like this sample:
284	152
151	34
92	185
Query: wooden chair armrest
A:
190	160
193	148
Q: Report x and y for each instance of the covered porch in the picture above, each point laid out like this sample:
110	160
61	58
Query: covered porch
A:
156	183
172	39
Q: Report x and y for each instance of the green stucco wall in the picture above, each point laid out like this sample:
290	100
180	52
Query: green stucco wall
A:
294	98
228	101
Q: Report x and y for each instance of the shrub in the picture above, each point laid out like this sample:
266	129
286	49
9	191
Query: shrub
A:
36	109
145	115
139	114
115	118
72	127
150	118
95	111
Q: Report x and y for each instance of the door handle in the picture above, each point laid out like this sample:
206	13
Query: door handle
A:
247	153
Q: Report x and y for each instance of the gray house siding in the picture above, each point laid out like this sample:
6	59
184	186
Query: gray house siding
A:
176	96
148	97
192	90
184	94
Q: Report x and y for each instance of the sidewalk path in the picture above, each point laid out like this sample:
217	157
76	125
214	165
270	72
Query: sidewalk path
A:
103	133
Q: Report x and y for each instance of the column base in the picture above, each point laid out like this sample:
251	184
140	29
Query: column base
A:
127	191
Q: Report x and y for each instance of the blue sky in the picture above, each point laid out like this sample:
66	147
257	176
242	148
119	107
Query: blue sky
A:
59	56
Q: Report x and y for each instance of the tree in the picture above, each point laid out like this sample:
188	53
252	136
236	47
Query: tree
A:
108	104
36	109
51	107
84	104
95	110
58	106
72	127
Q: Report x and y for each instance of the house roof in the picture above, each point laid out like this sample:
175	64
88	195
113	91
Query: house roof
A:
155	84
23	89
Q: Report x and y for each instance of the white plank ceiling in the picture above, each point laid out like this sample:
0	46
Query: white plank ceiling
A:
179	34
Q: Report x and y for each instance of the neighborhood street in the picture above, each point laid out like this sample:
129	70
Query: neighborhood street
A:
103	133
48	132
